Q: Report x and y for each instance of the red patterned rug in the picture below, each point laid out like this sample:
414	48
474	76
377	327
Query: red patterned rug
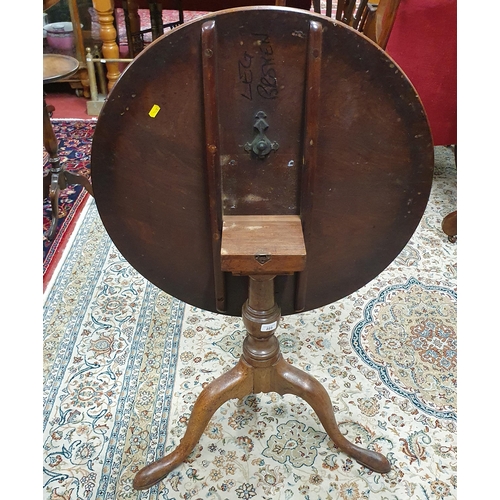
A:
75	139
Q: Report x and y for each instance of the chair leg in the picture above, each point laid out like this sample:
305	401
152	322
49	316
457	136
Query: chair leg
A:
449	226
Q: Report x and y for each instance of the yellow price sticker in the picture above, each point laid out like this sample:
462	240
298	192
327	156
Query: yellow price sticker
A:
154	111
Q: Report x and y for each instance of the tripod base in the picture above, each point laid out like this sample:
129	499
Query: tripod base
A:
261	368
242	380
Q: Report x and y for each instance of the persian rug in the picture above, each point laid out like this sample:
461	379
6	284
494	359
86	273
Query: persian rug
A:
75	140
124	362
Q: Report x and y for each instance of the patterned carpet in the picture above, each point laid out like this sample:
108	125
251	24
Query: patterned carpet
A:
124	363
75	140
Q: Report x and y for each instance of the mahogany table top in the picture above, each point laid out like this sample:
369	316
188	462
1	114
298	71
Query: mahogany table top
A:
350	152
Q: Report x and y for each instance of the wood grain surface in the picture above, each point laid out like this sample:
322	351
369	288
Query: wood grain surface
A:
352	154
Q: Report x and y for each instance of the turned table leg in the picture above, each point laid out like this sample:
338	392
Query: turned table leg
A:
110	49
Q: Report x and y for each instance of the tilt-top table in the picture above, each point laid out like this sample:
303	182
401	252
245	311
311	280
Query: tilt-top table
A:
55	68
267	157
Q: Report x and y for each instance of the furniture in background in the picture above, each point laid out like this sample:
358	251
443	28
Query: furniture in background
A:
57	67
78	13
281	197
135	33
105	12
374	19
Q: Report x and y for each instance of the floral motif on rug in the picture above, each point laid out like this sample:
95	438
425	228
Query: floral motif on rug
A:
408	336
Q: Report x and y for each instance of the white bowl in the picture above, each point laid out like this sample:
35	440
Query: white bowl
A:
60	35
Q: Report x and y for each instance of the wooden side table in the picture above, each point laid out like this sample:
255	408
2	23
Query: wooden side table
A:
55	68
284	166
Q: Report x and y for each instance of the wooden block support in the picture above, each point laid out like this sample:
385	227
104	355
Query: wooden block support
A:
262	244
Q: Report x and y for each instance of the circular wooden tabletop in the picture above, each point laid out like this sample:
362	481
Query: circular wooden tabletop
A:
58	66
352	152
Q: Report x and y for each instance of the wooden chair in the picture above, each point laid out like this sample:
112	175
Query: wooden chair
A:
135	33
375	19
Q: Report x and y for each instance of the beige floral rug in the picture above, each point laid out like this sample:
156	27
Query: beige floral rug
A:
124	363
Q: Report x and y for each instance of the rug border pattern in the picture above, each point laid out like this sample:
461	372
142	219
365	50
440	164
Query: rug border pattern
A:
53	298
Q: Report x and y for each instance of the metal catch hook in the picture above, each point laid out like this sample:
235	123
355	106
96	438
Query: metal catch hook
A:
261	145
